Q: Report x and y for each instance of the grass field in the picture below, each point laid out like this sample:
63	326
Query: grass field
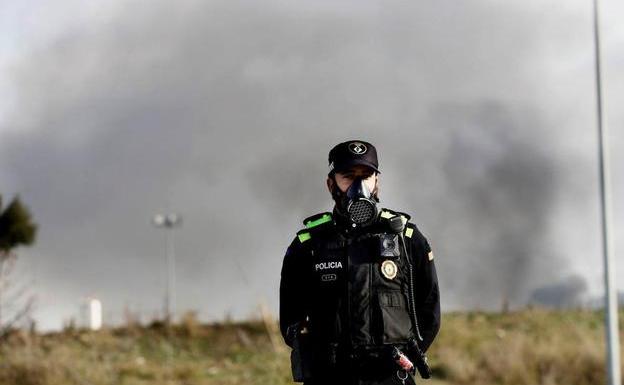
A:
531	346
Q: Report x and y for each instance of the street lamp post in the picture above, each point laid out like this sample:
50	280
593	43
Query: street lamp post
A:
611	300
168	222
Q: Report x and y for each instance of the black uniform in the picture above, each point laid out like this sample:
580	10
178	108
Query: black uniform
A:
349	290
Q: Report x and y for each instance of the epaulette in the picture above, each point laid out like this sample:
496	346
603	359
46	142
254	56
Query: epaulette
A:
409	229
314	222
386	214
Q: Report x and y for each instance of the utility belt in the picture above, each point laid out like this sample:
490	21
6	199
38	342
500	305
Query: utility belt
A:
374	363
406	357
370	361
372	353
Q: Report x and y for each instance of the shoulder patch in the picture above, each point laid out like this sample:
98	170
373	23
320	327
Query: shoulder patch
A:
317	219
313	224
303	235
389	214
386	214
412	231
406	216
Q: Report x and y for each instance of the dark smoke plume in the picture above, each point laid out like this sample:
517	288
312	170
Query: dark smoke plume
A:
224	111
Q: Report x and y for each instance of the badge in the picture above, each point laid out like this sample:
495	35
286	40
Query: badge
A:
389	269
357	148
328	277
430	255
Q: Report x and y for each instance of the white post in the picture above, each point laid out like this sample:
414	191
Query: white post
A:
611	305
91	314
95	307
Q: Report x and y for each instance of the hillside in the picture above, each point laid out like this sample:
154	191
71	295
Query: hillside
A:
531	346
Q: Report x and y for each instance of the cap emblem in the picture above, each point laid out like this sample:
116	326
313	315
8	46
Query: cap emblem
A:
358	148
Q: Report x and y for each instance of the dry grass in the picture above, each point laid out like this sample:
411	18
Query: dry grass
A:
533	346
528	347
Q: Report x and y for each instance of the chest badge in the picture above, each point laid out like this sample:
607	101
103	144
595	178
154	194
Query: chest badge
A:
389	269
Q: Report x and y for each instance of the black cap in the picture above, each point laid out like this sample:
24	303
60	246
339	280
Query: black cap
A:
350	153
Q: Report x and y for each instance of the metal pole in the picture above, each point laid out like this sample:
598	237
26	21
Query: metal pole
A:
171	280
169	222
167	279
611	305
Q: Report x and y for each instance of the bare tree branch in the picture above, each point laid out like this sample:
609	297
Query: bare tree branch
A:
16	229
25	311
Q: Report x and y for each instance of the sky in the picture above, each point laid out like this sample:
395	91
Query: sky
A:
482	112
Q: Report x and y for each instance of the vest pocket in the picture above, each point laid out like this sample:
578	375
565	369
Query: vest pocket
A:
395	317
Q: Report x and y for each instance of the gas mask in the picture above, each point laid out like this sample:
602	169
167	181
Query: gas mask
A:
358	204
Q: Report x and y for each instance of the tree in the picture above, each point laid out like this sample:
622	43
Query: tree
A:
16	229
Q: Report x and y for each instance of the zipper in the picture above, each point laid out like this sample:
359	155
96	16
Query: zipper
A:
412	303
348	292
370	299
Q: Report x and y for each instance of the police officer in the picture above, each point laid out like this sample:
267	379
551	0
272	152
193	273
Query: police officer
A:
359	297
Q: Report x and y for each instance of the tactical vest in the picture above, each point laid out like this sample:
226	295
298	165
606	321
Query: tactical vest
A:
353	302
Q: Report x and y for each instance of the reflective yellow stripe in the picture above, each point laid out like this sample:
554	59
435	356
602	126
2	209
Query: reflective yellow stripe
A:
304	237
321	220
386	214
408	232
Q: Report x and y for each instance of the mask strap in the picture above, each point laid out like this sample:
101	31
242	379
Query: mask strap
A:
335	191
